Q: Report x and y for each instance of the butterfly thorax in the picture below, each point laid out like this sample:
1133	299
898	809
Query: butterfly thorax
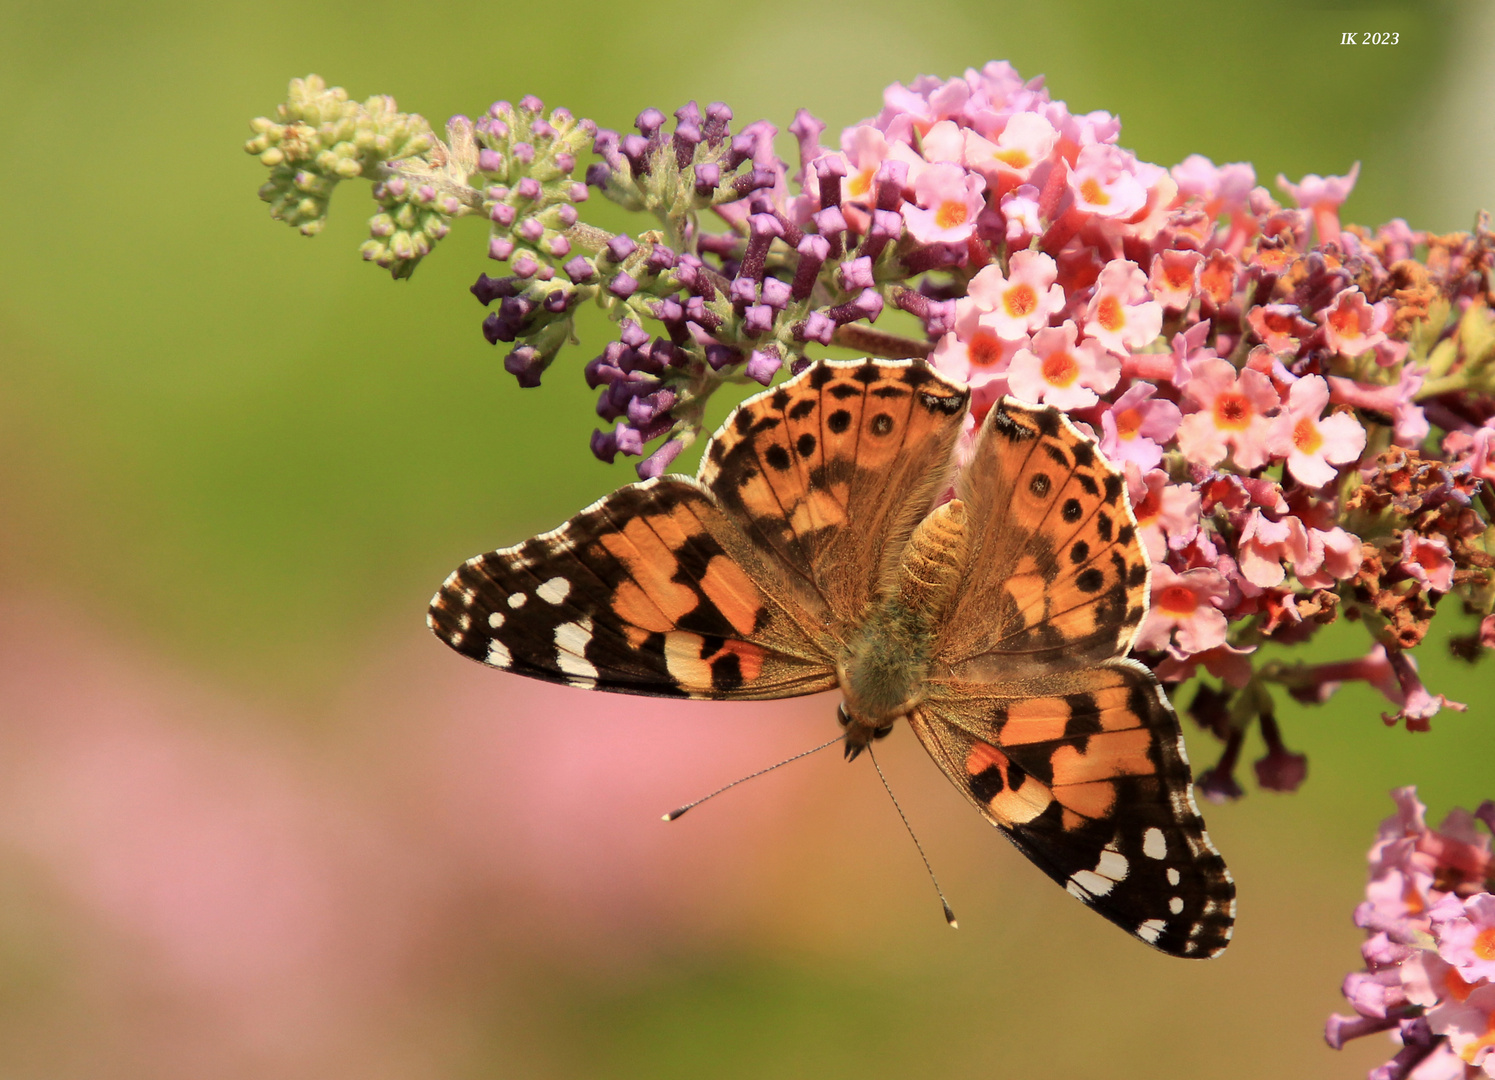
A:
883	669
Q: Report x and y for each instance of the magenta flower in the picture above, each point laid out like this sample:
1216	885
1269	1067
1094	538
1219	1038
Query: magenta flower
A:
949	199
1022	301
1136	426
1322	196
1122	314
1469	1026
1053	370
1352	324
1229	415
1426	560
1186	609
1309	443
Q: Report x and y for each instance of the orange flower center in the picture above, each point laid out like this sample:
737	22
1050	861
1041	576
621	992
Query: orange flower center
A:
1470	1052
1178	600
951	214
1016	159
1060	369
1457	987
1484	944
985	349
1110	314
1148	509
1019	300
1232	411
1178	275
1218	281
1346	322
1128	421
1306	435
1092	192
860	184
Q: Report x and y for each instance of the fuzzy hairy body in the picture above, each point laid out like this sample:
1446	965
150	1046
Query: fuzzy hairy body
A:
883	670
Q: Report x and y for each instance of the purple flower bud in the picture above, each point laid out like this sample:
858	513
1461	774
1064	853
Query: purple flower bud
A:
632	334
649	122
697	312
449	204
741	150
620	247
580	269
829	169
623	285
528	188
602	370
661	259
555	302
806	128
762	365
546	273
718	116
604	446
425	193
502	213
541	129
757	320
687	137
1341	1029
565	162
578	192
395	187
669	310
934	257
490	160
856	274
491	329
656	463
891	176
629	440
708	177
525	365
500	109
497	192
649	407
597	177
748	183
560	247
867	305
531	103
743	291
636	150
719	356
498	129
488	289
500	248
886	226
813	251
776	293
525	265
665	354
816	327
531	230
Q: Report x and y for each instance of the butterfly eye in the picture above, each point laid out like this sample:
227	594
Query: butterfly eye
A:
842	716
883	732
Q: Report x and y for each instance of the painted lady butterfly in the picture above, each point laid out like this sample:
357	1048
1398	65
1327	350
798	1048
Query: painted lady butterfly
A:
809	554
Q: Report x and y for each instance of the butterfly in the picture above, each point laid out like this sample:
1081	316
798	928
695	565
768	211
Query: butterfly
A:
816	550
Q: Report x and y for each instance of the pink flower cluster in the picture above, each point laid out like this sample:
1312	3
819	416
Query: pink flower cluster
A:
1429	977
1244	377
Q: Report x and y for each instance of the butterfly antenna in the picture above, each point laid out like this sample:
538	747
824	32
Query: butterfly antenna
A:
673	814
949	915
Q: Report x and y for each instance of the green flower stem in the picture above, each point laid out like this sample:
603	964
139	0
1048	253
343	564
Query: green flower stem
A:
878	343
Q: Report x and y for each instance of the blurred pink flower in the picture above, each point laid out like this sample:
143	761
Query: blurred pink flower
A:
1185	610
1465	932
1322	196
1122	314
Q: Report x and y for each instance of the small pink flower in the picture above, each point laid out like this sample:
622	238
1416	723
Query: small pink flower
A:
1122	315
1230	415
1265	543
1473	450
1056	371
1024	143
1352	325
1426	560
1020	211
1465	932
1309	443
1335	556
944	141
1104	182
1185	608
1174	278
949	200
1218	278
1469	1025
1135	427
975	353
865	149
1223	188
1167	514
1280	326
1322	196
1022	301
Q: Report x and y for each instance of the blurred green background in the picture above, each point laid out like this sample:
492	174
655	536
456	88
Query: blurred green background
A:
255	822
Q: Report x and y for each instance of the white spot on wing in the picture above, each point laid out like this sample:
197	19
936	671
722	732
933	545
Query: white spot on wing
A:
554	591
1173	878
1089	883
517	600
1113	865
498	654
571	641
1151	930
495	619
1176	905
1154	844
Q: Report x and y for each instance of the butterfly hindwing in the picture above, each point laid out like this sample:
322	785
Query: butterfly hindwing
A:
831	471
1057	573
1085	772
651	590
